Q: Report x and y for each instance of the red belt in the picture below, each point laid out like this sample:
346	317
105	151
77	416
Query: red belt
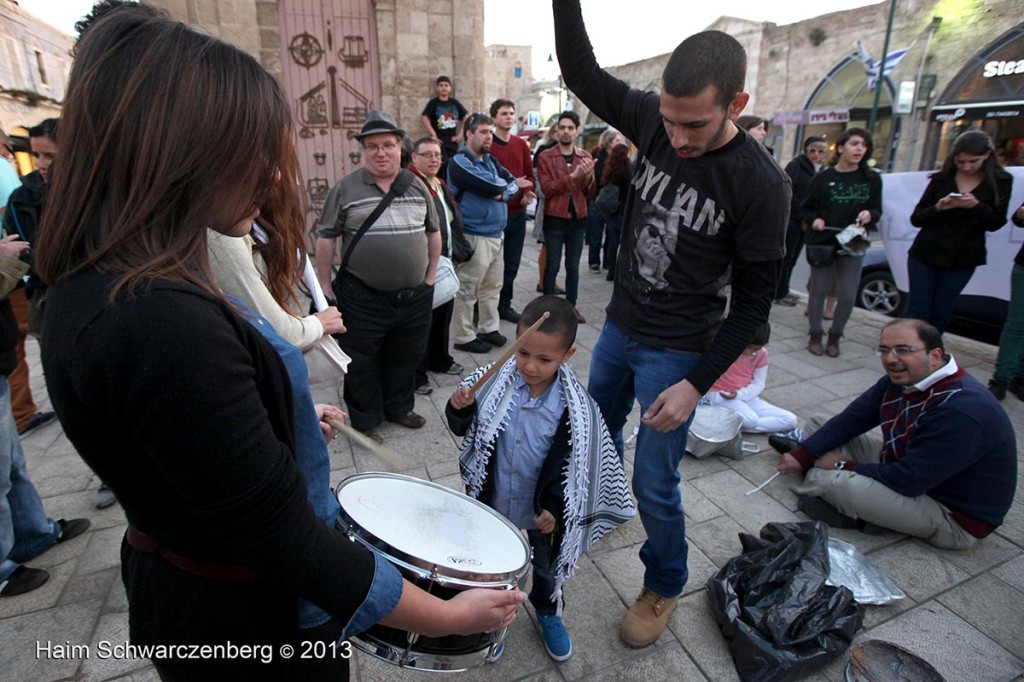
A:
207	569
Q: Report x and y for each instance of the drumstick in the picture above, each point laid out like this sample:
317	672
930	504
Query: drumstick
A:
394	460
507	354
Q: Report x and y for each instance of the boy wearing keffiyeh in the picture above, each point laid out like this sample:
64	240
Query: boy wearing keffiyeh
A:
554	470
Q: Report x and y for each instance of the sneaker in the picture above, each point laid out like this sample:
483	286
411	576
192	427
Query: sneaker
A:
424	389
409	420
24	579
494	338
496	654
793	434
474	346
103	498
789	300
556	637
595	268
509	315
646	618
455	369
71	529
37	420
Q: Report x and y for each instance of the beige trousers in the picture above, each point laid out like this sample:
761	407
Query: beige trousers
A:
480	280
865	498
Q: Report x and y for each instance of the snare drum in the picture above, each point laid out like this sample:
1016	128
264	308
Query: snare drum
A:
443	541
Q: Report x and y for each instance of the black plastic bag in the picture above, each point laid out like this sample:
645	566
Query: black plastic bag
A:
772	604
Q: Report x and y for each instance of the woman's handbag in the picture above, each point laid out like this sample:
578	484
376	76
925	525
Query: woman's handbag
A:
446	282
821	255
325	360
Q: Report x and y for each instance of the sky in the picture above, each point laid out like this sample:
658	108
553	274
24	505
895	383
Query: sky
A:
649	28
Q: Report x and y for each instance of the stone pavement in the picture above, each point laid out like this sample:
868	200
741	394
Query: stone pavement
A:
964	612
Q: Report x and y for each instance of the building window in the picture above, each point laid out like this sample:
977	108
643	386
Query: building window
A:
41	66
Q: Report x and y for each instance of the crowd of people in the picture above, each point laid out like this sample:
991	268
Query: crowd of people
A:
174	288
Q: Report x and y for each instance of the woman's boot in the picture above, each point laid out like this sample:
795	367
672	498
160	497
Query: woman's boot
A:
832	347
814	344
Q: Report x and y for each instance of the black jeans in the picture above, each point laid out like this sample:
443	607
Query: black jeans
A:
543	573
437	357
559	232
386	339
794	245
515	235
595	233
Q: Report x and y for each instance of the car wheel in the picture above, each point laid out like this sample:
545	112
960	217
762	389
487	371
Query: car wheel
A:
878	293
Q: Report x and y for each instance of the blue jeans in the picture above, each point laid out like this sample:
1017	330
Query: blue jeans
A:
933	292
25	530
515	235
559	232
623	370
1010	361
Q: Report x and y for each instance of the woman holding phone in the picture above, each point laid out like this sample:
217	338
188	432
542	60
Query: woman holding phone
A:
180	405
964	199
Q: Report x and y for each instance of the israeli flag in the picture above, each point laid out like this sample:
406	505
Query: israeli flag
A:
871	65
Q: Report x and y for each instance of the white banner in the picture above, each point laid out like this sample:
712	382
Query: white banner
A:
900	194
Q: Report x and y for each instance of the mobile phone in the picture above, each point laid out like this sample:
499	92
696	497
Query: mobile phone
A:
955	195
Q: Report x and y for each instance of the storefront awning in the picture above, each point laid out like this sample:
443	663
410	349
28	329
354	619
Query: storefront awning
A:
978	110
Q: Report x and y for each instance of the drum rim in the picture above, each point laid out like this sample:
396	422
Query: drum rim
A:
410	658
442	575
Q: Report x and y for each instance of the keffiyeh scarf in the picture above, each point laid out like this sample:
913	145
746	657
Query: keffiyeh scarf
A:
596	496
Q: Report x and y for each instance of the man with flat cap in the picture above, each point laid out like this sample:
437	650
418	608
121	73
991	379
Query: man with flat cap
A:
390	244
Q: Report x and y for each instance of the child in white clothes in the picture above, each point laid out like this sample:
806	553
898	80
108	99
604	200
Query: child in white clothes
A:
739	390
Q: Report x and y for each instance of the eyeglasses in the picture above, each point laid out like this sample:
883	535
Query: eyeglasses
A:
900	351
387	146
429	155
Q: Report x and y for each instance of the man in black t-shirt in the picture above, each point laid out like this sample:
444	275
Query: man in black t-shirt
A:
443	118
706	200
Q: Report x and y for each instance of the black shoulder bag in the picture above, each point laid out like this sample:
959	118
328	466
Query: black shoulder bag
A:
398	187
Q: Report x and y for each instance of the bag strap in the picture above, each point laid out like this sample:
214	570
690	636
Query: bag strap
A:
398	187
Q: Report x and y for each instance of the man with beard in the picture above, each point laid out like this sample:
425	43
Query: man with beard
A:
945	468
705	193
483	189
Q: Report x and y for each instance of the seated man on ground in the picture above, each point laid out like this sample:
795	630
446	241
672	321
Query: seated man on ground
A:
946	468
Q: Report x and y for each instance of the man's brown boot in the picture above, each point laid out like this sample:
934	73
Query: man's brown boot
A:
814	344
646	618
832	347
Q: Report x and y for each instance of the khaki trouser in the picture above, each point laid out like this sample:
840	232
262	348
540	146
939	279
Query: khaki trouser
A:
865	498
480	280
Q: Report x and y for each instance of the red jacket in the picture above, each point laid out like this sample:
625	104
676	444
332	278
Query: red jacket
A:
553	173
515	156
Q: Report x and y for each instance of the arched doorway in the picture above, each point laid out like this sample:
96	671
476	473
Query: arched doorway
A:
846	88
332	76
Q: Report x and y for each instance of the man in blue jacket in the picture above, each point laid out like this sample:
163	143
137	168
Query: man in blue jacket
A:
482	187
945	469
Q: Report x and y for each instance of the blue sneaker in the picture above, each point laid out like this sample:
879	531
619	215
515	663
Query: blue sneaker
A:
496	654
556	637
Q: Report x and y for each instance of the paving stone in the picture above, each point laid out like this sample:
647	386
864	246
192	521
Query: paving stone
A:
993	607
697	507
985	554
956	649
695	626
718	538
56	631
917	570
664	662
800	397
1012	573
103	550
111	632
727	490
90	587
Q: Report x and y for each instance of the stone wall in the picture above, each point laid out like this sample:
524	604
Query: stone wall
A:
418	41
500	80
35	60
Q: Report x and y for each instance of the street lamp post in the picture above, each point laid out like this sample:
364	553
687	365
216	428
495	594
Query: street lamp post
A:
561	84
881	69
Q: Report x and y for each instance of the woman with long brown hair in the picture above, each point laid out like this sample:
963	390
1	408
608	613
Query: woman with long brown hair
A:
617	171
173	398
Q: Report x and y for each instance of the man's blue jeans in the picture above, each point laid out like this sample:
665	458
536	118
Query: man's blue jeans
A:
623	370
25	530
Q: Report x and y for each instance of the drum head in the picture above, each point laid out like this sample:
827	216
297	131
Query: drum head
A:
434	524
